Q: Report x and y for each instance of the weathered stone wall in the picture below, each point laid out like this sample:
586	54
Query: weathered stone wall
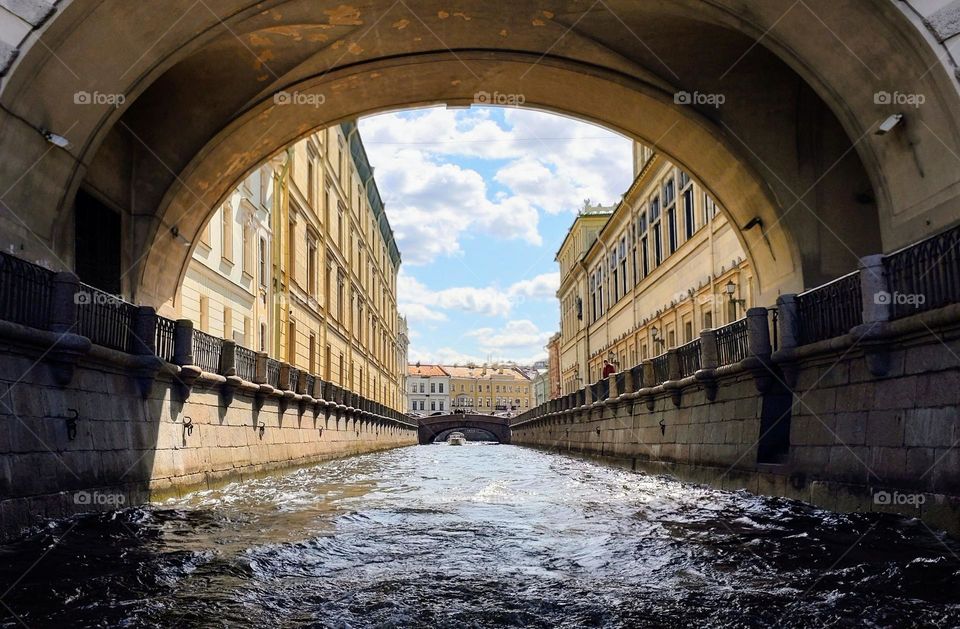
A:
129	449
860	440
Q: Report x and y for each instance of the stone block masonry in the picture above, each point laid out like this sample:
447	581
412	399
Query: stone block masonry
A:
873	426
99	443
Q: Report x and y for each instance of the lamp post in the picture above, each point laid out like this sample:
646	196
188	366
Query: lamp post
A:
731	288
655	336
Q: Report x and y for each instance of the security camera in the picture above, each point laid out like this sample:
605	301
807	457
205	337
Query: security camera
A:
887	125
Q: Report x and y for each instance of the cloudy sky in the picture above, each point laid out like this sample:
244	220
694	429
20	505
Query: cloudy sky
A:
480	200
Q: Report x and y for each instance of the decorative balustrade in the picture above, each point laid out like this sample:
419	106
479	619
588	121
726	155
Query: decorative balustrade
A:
661	369
310	380
924	276
294	378
637	371
830	310
246	363
25	291
206	351
732	342
273	373
165	338
105	319
689	357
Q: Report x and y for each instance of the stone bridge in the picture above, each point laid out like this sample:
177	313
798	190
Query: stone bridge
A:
432	427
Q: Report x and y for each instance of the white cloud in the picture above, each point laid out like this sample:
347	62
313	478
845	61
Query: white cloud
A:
543	286
552	164
420	312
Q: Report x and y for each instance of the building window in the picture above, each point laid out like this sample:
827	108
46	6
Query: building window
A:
313	353
292	343
708	320
440	387
689	216
441	405
292	252
622	253
433	387
263	262
248	255
672	228
263	337
312	266
709	209
657	233
687	331
226	234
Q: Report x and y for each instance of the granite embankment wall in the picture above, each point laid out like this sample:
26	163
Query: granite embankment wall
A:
119	434
863	422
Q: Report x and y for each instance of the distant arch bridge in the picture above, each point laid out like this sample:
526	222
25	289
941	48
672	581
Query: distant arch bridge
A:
435	426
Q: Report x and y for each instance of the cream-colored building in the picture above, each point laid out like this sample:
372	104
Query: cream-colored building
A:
328	304
489	389
227	290
651	276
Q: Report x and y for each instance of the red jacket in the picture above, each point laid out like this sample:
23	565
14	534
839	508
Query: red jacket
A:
609	370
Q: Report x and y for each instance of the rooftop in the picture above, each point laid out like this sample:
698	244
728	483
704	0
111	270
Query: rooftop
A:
426	371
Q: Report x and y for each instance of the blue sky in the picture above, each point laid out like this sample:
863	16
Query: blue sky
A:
480	199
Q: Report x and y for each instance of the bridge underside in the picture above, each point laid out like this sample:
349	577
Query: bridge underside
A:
791	153
432	428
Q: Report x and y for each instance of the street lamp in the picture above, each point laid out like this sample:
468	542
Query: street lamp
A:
731	288
655	335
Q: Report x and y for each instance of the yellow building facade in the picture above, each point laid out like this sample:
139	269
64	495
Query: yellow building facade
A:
662	265
327	271
489	389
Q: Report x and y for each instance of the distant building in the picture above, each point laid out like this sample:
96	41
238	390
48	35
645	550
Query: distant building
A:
648	274
489	389
541	388
428	388
553	367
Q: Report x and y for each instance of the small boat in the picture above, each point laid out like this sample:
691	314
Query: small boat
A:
456	439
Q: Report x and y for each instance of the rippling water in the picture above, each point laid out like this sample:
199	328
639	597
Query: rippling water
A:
479	536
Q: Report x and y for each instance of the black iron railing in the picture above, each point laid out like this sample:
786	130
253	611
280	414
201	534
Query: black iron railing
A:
661	369
310	380
774	320
732	344
164	338
830	310
273	373
294	378
924	276
105	319
206	351
246	363
621	379
689	357
25	290
637	371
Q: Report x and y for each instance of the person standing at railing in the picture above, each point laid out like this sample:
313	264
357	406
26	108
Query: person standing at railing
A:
608	370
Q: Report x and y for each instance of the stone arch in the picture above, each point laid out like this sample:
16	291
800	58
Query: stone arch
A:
792	151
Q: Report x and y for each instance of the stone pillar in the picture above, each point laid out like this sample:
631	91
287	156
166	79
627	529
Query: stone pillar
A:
183	342
875	289
63	303
788	321
708	349
145	331
228	358
758	332
284	376
612	391
673	364
260	371
649	378
302	383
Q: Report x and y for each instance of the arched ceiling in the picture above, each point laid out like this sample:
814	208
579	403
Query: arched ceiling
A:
792	144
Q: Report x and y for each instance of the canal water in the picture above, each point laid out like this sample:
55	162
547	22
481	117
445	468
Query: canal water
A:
479	536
